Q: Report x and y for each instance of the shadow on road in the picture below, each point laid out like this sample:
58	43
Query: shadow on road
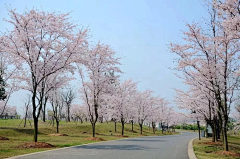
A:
114	147
157	140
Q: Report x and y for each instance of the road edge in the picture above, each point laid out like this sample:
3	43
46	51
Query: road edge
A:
191	154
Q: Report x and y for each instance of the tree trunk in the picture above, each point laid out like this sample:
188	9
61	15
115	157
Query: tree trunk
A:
199	136
101	119
140	128
220	124
57	122
93	129
44	110
115	123
225	136
68	113
35	129
132	125
94	120
162	127
25	120
216	135
122	127
213	132
153	127
35	117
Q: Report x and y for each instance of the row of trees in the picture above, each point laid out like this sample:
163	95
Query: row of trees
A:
209	65
119	102
7	111
44	51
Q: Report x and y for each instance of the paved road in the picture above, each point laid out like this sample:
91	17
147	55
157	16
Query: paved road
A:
154	147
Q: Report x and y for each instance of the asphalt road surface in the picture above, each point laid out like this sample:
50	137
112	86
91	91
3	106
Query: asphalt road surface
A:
152	147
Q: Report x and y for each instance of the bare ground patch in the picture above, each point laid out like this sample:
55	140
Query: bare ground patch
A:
227	153
57	134
141	135
121	136
213	143
94	139
35	145
3	138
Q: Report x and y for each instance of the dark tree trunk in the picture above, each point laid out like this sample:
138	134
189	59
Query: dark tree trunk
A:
132	125
115	123
162	127
35	129
93	129
122	121
25	120
101	119
122	127
68	113
35	117
140	128
153	127
44	110
225	136
57	122
213	132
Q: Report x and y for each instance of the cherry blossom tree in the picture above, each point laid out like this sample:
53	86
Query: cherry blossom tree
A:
53	82
8	80
44	44
153	117
10	111
98	62
3	107
133	113
56	101
236	124
121	101
78	112
143	102
209	60
176	118
26	110
201	104
68	97
162	111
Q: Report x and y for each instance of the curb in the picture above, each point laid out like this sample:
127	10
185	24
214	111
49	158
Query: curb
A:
191	154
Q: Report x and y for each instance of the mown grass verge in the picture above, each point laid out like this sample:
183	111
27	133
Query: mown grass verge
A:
205	149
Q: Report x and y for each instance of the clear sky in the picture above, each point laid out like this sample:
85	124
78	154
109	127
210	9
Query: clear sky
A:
138	30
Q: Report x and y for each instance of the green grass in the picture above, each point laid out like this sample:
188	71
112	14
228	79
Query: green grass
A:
19	135
207	151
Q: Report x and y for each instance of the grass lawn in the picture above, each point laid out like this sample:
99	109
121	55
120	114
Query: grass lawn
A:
205	149
77	134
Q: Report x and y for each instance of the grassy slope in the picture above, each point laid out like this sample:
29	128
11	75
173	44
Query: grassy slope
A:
20	135
206	151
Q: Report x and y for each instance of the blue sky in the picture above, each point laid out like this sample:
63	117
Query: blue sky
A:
138	30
